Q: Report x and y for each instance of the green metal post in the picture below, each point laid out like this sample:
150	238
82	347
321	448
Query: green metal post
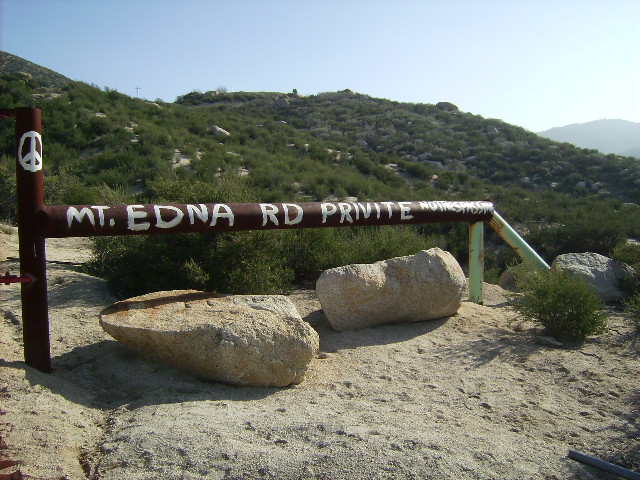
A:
516	242
476	262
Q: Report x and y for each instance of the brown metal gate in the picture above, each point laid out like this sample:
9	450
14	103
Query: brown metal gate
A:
37	221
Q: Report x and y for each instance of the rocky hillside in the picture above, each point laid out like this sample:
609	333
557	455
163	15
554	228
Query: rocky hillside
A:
104	147
422	140
306	140
41	76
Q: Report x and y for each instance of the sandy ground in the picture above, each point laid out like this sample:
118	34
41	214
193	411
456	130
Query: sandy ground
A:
474	396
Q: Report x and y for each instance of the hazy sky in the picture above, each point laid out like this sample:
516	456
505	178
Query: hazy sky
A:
537	64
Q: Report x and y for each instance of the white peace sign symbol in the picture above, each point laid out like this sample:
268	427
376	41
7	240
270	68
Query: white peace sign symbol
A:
32	161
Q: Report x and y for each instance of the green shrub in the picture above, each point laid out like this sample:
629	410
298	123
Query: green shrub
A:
134	265
631	305
562	303
65	189
240	262
8	197
311	251
492	275
252	262
629	253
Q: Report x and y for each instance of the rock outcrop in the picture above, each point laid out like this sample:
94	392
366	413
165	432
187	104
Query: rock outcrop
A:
448	106
216	130
602	273
240	339
414	288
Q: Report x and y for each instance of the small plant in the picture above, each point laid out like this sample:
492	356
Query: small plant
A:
629	253
8	198
631	305
562	303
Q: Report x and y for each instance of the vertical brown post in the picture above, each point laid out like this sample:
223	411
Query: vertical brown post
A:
33	262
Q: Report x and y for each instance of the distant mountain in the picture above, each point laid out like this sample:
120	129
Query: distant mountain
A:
42	76
609	136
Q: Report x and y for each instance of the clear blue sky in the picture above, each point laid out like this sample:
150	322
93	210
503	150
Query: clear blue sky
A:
537	64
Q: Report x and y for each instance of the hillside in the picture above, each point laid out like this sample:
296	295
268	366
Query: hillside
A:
42	77
421	141
104	147
609	136
400	145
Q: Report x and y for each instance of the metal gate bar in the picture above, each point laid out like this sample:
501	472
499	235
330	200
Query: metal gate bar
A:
99	220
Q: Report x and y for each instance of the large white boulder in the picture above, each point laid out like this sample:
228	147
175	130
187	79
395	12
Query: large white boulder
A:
239	339
602	273
414	288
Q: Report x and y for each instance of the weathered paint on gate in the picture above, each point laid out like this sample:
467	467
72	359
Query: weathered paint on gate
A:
97	220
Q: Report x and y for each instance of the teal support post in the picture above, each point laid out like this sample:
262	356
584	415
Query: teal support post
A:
476	262
516	242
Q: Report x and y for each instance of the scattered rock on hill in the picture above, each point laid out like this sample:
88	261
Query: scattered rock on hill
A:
216	130
448	106
603	273
240	340
424	286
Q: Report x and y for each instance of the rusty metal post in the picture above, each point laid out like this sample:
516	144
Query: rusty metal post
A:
33	262
476	262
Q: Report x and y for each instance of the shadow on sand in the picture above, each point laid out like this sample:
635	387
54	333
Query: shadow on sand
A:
106	375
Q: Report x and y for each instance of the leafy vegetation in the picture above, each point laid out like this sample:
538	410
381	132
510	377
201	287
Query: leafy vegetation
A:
629	253
252	262
563	304
104	147
42	76
632	306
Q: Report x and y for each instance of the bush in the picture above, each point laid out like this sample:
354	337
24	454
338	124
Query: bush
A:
8	198
250	262
134	265
562	303
238	262
631	305
313	250
629	253
253	262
